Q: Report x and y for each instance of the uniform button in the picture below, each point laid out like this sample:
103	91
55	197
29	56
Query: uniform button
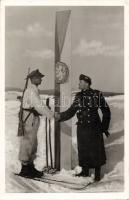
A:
88	121
88	115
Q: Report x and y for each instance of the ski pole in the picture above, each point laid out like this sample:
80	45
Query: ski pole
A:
46	142
50	145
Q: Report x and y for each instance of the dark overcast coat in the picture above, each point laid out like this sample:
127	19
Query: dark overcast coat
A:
90	128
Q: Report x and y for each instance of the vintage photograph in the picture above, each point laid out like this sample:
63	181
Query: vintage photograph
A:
64	99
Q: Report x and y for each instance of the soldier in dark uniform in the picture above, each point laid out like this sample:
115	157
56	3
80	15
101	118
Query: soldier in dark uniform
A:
90	127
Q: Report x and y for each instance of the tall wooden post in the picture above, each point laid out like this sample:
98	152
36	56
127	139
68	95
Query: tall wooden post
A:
62	19
57	104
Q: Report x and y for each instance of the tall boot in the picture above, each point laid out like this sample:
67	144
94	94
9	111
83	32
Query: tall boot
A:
34	172
97	173
25	170
84	172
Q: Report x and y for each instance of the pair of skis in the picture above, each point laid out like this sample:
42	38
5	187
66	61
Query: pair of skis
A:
50	179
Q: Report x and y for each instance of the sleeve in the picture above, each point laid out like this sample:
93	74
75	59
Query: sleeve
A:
106	113
70	112
40	107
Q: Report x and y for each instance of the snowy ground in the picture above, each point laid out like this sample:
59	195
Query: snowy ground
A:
112	180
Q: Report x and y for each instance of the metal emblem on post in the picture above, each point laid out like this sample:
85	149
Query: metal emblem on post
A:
62	72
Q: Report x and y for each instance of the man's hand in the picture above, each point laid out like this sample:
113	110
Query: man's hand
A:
57	116
107	133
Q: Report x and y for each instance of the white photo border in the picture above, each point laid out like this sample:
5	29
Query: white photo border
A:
75	196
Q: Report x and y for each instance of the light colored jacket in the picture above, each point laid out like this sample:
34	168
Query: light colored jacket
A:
32	100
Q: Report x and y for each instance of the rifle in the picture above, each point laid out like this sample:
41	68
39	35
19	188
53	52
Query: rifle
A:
21	123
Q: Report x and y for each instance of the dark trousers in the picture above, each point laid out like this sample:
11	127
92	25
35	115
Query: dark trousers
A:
97	171
85	170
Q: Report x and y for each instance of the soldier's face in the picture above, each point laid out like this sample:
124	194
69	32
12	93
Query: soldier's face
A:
36	80
83	85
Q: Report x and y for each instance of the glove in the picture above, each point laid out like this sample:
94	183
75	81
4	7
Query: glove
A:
107	133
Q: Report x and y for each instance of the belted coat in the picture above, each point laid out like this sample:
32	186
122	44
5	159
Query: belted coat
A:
90	127
29	142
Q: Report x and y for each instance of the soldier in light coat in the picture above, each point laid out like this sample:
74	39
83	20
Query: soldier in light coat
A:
32	109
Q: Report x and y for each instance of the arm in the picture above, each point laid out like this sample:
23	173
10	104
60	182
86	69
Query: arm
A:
106	114
40	107
70	112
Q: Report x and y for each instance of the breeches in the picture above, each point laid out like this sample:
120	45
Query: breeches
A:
28	142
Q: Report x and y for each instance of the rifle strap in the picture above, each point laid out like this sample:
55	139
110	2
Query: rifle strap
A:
30	111
27	117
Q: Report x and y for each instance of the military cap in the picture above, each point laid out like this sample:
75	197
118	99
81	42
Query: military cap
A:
85	78
35	73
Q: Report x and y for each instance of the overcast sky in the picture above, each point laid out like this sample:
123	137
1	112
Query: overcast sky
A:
97	38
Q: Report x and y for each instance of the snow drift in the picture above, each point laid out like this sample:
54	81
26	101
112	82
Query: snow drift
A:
112	172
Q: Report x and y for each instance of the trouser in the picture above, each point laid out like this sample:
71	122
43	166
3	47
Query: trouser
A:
28	143
97	171
85	170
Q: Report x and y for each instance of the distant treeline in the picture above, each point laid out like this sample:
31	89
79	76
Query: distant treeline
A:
52	92
48	92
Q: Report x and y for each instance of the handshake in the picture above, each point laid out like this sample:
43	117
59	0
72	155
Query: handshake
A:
57	116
